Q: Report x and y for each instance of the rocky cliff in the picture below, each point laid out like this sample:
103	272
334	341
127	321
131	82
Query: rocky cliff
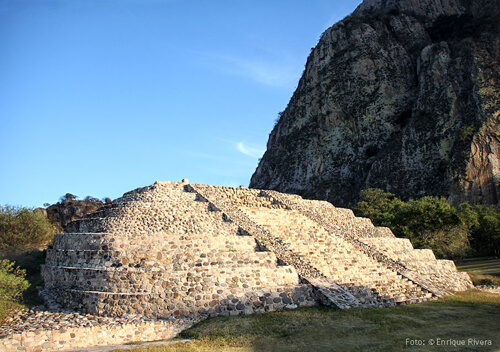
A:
62	213
402	95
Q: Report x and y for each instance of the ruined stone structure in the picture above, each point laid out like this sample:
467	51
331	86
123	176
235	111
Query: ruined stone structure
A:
176	250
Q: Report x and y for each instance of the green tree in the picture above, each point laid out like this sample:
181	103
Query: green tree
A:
381	207
432	222
23	229
68	196
468	215
428	213
486	231
91	199
429	222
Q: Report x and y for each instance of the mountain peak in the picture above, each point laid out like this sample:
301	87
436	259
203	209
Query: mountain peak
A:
402	95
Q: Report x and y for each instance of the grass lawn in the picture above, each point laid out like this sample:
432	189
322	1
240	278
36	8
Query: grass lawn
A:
480	265
468	315
482	271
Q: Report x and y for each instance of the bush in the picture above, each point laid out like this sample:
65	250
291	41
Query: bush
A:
381	207
432	222
12	286
23	229
486	280
91	199
68	196
12	281
486	230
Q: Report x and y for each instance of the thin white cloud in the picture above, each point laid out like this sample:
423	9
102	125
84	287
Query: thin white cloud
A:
271	74
275	71
251	151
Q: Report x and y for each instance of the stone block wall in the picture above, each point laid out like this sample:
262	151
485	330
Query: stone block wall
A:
302	231
338	259
161	251
438	277
329	292
180	251
74	331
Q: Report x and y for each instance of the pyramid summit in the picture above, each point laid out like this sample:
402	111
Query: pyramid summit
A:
176	250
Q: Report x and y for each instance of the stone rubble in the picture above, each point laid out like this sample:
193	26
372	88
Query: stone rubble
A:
38	318
489	288
41	330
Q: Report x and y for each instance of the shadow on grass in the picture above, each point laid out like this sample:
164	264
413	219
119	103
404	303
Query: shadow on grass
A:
468	315
480	266
482	271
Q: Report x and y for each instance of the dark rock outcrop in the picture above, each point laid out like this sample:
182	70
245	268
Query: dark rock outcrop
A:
402	95
62	213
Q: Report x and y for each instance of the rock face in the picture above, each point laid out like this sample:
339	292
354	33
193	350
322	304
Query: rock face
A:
62	213
175	250
402	95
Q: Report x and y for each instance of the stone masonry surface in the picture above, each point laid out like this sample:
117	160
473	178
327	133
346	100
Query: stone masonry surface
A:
420	266
59	331
165	256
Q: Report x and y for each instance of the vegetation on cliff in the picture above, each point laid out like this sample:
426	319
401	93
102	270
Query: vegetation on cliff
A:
70	208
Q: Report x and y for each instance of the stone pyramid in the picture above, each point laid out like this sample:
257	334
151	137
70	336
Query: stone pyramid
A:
184	250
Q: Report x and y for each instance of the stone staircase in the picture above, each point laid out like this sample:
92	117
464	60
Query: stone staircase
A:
219	198
421	267
181	250
159	251
337	259
330	245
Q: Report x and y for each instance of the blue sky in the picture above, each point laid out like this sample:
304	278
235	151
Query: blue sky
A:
99	97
